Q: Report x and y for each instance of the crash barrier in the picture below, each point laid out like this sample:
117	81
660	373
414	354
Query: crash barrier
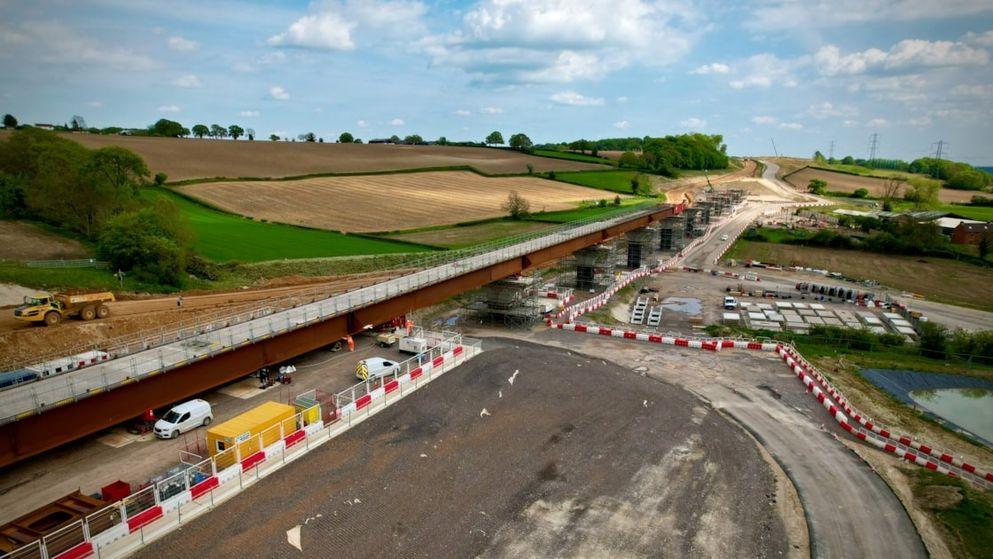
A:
301	310
863	427
123	527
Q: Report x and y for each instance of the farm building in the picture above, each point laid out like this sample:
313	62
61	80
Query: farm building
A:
971	233
948	224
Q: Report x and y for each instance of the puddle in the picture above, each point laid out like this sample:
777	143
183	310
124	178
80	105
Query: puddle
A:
686	305
969	408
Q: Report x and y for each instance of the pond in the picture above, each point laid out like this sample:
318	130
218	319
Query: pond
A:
969	408
687	305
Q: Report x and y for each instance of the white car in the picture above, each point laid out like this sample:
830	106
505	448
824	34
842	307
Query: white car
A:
724	237
374	367
184	417
730	303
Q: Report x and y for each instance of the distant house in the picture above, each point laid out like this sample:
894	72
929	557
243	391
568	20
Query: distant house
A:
948	224
379	141
45	126
971	233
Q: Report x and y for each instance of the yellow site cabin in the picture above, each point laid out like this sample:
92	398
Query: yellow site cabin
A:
244	429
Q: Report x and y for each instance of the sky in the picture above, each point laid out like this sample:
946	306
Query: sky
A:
801	73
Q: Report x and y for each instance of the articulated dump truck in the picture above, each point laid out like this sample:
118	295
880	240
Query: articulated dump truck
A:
51	309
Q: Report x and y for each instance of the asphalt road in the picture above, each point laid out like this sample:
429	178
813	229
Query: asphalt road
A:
850	510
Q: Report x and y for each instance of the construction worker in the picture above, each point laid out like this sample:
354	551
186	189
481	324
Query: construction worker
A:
351	343
409	325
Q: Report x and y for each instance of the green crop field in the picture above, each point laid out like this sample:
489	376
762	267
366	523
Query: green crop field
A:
227	237
565	216
614	181
572	156
979	213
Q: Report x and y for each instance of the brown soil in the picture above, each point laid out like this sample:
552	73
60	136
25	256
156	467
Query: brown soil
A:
841	182
190	158
577	458
677	190
22	341
386	202
940	497
23	241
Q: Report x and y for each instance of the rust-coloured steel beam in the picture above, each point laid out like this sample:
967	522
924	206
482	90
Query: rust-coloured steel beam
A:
38	433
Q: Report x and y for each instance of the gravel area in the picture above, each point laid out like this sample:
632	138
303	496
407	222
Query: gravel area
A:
575	457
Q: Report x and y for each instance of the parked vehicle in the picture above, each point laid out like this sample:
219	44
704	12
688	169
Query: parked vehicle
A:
724	237
410	344
51	309
387	338
730	303
20	376
374	367
184	417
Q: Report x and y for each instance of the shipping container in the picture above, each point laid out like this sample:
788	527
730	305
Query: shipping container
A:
244	429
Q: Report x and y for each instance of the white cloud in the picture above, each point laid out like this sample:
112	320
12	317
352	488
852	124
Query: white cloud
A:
979	91
397	122
491	110
189	81
622	99
361	124
850	123
920	121
793	14
715	68
558	41
169	109
765	70
693	122
463	112
909	53
791	125
180	44
278	93
984	39
764	120
95	104
55	44
876	122
828	109
622	125
336	24
248	114
576	99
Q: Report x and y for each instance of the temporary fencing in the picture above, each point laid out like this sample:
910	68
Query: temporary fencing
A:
118	530
862	428
132	362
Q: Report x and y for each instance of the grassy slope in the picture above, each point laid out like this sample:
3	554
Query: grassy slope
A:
938	279
968	525
613	181
572	156
225	237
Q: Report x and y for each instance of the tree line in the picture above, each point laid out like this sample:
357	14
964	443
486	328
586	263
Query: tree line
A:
96	194
955	174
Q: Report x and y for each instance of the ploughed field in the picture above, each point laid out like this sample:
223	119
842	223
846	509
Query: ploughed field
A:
577	457
191	158
841	182
389	202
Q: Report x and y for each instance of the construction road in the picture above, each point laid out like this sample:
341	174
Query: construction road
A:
849	509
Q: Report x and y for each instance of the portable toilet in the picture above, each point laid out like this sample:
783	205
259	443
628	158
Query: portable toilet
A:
244	429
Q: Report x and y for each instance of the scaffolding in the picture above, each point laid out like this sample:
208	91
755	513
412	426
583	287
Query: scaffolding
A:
671	234
595	266
694	222
512	302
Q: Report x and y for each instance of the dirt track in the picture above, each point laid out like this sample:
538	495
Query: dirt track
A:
676	190
23	241
578	457
189	158
21	340
386	202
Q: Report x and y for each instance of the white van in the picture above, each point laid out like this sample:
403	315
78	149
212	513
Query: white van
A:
730	303
374	367
184	417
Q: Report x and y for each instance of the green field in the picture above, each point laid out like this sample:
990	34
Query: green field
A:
225	237
979	213
613	181
565	216
572	156
867	172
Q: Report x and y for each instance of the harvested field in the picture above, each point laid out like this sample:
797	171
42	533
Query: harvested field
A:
940	279
841	182
23	241
646	471
385	202
189	158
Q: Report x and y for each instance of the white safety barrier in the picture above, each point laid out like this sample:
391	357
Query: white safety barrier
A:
123	527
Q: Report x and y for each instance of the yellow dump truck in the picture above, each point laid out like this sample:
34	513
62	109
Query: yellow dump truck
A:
51	309
244	430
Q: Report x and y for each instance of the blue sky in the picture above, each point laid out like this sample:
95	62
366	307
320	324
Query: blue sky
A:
802	72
